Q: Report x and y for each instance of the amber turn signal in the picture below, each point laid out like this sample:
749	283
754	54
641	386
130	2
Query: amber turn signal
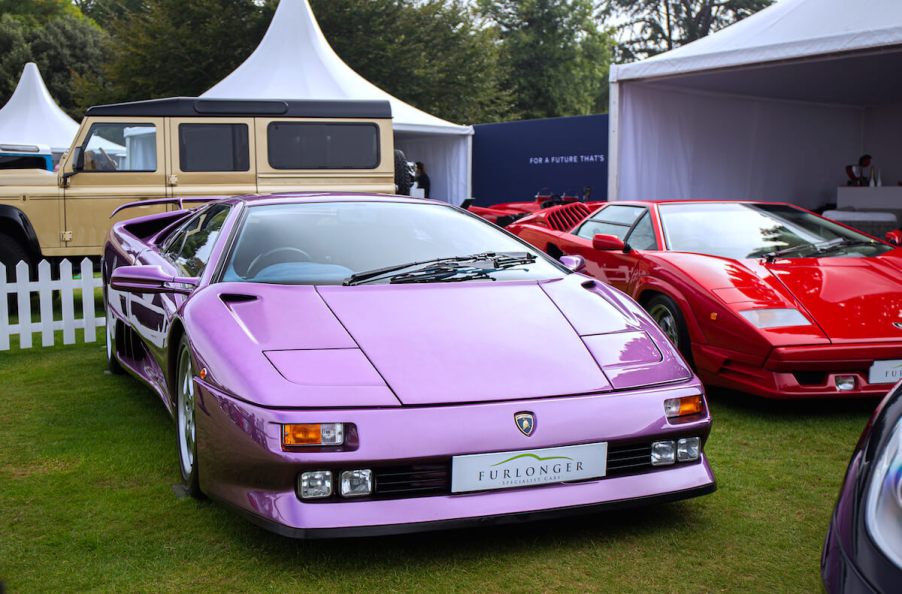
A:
312	434
685	406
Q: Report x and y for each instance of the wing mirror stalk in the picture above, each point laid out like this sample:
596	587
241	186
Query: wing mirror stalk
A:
78	165
150	280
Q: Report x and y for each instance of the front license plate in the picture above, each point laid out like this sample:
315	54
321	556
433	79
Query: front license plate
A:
527	468
885	372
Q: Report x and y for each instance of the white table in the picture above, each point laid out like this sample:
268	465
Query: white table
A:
867	198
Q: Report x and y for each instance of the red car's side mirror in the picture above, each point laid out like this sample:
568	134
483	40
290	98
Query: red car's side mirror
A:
149	279
894	237
608	243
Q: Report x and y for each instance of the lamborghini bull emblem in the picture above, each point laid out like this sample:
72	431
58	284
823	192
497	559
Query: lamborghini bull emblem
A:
526	423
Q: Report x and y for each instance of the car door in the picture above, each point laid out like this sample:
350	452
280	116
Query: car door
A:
621	221
211	156
185	253
123	162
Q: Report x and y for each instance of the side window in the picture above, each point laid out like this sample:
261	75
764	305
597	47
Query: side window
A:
121	147
309	145
611	220
190	247
642	237
213	147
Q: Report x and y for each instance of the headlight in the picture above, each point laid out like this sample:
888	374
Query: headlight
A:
883	506
775	318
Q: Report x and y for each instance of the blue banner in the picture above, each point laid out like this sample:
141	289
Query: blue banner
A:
512	161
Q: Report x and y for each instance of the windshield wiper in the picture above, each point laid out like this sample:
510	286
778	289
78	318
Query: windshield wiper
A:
844	243
499	261
449	272
818	247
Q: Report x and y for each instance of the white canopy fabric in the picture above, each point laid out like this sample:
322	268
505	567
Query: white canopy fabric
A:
294	61
771	108
31	116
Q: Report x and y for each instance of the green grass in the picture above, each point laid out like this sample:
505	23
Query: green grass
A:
88	461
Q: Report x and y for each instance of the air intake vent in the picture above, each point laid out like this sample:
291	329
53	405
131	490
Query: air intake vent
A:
566	216
237	298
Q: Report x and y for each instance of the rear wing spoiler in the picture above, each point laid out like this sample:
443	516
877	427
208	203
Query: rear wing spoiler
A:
180	201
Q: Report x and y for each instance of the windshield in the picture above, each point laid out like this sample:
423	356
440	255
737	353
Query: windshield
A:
737	230
329	242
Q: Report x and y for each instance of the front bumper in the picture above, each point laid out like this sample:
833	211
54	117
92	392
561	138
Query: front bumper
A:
241	462
805	372
473	522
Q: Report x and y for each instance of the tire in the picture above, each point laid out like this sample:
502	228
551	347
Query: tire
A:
185	420
402	176
112	364
11	253
667	315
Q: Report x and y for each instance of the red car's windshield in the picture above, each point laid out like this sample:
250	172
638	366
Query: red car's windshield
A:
741	230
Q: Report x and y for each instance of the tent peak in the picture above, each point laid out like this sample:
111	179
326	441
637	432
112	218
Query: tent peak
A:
31	116
295	61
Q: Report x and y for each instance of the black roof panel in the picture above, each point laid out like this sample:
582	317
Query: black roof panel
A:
194	107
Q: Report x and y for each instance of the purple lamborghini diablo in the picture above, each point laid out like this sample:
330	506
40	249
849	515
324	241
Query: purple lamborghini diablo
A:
341	365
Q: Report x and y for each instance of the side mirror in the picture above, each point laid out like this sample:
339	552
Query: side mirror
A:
149	279
78	159
894	237
573	263
78	164
608	243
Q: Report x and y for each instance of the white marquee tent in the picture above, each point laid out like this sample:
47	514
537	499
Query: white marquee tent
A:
772	107
32	117
294	61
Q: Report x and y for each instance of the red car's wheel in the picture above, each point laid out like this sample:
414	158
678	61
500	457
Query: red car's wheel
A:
667	315
186	426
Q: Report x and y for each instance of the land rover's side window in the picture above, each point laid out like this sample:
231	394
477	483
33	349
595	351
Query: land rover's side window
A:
611	220
121	147
189	249
213	147
311	145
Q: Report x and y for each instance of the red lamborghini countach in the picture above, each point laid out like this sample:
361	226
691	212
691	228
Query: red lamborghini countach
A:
766	298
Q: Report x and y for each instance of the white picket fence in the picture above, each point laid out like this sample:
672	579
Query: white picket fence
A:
45	287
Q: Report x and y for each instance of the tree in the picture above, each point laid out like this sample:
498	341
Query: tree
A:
655	26
105	12
176	48
38	11
555	56
428	53
66	47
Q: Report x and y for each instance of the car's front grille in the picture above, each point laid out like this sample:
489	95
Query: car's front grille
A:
418	480
415	480
433	477
628	458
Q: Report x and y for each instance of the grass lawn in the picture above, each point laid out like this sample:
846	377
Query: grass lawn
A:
88	461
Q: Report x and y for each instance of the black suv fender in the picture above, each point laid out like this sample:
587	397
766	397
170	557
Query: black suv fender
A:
16	225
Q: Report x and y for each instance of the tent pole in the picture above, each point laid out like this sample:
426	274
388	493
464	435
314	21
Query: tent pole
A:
613	143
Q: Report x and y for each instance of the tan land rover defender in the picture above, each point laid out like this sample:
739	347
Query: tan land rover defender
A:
188	147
